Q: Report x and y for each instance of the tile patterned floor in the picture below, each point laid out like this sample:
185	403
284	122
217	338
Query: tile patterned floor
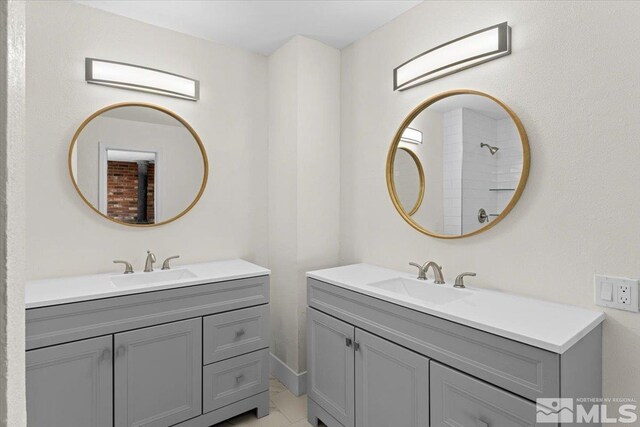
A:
286	410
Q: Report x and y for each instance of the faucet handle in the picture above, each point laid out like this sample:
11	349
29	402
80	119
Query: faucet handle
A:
421	271
460	279
128	269
165	264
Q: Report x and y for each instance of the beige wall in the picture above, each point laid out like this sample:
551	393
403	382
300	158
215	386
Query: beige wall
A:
572	79
12	210
283	215
231	118
304	183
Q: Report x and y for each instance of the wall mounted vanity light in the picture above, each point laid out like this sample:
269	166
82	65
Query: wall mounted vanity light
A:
135	77
411	135
457	55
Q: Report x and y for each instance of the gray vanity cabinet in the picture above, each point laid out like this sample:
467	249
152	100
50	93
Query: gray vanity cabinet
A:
70	385
139	360
412	369
158	374
331	366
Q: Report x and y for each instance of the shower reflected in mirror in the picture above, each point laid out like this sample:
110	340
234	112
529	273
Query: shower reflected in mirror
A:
475	158
492	150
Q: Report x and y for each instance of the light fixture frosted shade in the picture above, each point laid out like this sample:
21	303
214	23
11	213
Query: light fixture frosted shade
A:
134	77
411	135
459	54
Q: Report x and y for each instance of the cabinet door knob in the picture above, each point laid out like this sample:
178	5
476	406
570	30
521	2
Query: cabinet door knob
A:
239	378
348	341
120	351
356	346
106	354
240	333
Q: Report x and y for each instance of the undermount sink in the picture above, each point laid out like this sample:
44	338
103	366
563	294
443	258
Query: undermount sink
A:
424	291
143	279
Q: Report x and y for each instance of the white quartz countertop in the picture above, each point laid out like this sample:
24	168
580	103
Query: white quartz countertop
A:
547	325
46	292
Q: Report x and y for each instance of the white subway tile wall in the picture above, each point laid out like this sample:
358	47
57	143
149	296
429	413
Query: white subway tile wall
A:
479	165
509	167
452	153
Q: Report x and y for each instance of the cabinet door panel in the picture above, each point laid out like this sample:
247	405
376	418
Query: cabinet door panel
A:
158	375
70	385
392	384
330	365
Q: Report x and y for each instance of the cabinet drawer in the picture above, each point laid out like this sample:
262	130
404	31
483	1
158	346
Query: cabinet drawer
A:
234	333
234	379
460	400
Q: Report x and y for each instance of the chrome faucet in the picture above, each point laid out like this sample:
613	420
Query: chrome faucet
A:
424	269
148	265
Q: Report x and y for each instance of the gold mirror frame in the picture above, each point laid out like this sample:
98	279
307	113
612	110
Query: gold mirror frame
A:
421	176
158	108
526	161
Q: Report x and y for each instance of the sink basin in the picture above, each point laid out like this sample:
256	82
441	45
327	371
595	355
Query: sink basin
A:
424	291
144	279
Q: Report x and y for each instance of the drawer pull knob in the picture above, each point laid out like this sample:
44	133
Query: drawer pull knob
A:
240	333
239	378
349	342
481	423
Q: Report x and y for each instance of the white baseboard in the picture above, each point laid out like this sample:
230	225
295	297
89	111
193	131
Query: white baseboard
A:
295	382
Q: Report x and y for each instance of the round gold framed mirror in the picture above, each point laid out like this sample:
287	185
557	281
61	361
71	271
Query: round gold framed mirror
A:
474	155
138	164
409	180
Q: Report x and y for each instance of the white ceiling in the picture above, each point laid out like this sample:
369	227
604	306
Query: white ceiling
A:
262	25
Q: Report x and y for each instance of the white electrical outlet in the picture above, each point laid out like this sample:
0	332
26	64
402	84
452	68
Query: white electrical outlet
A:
616	292
624	294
